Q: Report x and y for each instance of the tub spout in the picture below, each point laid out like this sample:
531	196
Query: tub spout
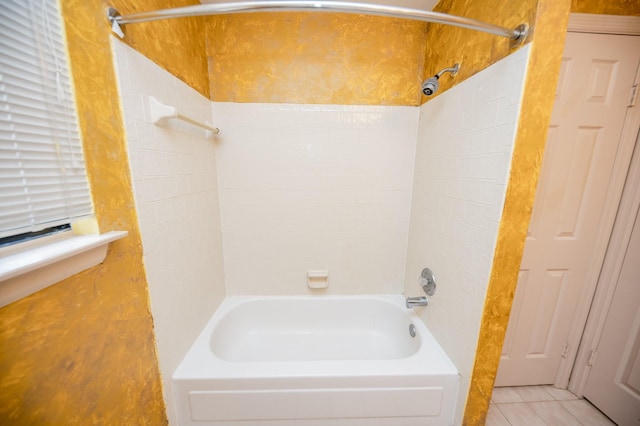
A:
412	302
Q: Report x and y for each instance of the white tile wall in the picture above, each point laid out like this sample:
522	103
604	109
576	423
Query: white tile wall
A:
175	186
307	187
465	142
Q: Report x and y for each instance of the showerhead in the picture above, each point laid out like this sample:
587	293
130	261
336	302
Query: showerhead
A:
430	85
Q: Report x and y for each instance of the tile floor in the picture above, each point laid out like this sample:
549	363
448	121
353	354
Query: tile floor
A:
541	405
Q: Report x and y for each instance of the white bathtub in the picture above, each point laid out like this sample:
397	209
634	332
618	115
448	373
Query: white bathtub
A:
307	361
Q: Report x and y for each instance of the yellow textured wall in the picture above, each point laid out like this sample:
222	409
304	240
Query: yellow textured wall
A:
307	57
474	50
328	57
177	45
546	53
606	7
82	351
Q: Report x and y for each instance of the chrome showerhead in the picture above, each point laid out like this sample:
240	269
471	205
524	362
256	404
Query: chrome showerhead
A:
430	85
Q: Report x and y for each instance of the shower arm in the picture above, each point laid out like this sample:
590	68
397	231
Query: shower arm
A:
453	70
517	35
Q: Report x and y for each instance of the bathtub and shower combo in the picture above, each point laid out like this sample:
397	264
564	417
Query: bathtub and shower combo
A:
316	360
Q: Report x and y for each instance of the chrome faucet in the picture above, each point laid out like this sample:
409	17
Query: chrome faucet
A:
428	283
412	302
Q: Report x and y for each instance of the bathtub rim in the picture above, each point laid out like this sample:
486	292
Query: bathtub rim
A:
200	363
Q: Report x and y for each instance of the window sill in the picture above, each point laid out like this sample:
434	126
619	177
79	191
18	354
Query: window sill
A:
30	267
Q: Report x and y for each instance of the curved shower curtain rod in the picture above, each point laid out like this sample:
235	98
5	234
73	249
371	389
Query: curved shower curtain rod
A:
517	34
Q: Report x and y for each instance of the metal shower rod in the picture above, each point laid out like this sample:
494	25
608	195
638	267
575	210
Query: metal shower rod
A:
517	34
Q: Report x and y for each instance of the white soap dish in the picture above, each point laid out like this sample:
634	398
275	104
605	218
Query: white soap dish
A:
318	279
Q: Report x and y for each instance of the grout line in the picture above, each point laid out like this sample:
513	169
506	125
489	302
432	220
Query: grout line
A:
564	408
528	403
505	417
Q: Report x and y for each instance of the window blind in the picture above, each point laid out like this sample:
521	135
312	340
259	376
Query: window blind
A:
43	181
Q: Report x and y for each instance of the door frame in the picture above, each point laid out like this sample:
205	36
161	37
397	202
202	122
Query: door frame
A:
592	307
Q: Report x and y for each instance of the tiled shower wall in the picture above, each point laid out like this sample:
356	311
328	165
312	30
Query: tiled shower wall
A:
314	187
175	187
465	143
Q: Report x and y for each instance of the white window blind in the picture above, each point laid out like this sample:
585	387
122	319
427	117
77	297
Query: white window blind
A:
43	181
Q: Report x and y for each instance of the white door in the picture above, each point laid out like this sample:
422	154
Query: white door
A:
591	101
614	381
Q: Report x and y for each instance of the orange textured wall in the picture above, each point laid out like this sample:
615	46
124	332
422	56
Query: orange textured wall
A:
545	57
82	351
327	57
177	45
607	7
474	50
315	58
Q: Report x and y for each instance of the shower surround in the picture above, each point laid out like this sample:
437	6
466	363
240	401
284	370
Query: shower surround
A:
288	188
463	159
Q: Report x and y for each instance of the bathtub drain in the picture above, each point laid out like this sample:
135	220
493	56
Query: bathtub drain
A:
412	330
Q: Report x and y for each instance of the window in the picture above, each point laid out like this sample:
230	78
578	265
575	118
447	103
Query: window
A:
43	183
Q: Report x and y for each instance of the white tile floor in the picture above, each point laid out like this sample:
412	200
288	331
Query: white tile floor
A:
541	405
